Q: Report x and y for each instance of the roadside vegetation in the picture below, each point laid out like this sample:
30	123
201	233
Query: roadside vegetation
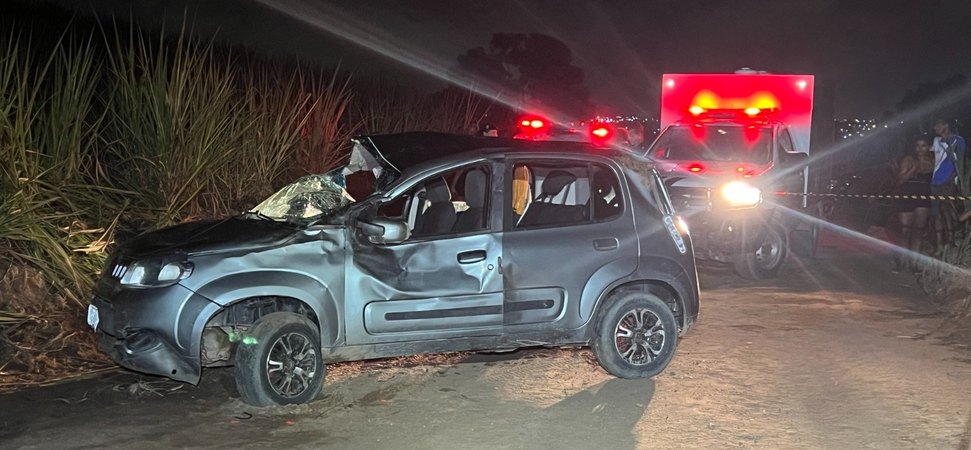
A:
109	133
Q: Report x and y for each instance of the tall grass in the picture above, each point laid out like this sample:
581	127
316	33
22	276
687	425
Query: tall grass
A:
48	133
275	108
324	136
173	123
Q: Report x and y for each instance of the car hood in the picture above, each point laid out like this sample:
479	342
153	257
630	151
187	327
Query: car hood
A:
208	236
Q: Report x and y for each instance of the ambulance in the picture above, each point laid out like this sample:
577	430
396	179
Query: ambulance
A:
729	145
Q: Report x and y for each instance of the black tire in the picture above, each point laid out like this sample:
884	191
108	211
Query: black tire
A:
767	260
262	383
651	346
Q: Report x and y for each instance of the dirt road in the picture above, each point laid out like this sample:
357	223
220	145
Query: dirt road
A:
834	357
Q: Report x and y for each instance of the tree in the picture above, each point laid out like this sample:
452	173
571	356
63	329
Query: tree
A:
534	69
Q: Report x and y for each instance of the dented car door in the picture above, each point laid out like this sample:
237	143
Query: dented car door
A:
442	281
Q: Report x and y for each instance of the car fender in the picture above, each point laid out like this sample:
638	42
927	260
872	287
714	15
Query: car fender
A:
601	281
315	293
663	270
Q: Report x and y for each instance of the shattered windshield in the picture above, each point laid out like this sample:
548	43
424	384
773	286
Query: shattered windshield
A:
714	142
307	199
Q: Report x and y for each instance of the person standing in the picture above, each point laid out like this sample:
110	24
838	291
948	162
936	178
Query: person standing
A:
914	174
949	152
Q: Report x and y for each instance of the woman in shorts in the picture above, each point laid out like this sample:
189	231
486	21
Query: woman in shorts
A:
914	207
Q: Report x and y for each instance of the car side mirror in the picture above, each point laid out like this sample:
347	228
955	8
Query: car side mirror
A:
381	230
795	159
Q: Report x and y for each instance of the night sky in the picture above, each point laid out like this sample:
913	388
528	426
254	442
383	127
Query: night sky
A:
870	52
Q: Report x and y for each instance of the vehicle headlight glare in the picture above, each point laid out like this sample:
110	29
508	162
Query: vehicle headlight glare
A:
740	194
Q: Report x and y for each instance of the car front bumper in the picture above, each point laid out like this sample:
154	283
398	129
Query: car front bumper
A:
155	331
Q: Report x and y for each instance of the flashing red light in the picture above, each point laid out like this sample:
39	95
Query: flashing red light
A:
532	127
787	99
695	168
601	133
740	169
532	122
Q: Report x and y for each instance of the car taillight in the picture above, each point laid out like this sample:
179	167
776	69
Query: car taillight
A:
695	168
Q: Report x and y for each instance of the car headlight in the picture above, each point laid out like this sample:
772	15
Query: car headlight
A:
740	194
156	273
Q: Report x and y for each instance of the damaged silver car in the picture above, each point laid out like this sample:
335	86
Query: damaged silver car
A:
463	243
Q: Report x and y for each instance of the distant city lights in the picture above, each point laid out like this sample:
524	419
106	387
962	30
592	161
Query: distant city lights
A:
854	128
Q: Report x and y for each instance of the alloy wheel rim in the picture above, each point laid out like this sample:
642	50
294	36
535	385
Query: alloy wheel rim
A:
639	336
291	365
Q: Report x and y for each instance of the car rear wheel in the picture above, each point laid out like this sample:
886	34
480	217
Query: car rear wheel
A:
635	336
278	362
767	259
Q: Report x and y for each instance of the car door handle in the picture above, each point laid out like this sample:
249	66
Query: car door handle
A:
605	244
473	256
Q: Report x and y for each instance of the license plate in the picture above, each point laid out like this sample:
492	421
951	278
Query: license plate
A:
93	318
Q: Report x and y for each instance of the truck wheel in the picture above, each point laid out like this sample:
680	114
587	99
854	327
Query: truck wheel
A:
767	259
635	336
278	361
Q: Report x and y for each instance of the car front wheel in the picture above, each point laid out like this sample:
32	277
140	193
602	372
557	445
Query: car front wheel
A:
278	361
635	336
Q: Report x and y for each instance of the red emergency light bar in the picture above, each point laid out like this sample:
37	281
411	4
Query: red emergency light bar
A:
784	98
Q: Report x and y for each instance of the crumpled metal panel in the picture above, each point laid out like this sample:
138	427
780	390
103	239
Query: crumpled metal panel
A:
423	276
309	269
